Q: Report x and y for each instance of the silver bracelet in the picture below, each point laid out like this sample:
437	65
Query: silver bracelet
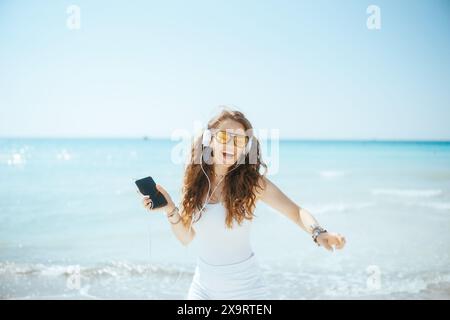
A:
317	230
168	217
171	213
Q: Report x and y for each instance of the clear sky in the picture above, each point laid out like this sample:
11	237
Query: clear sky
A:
311	69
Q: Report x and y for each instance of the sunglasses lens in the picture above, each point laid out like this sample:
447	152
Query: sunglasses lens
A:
240	141
222	137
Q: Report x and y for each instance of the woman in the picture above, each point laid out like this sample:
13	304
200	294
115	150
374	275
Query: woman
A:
222	185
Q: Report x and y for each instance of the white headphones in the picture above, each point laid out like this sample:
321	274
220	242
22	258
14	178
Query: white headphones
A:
207	135
206	141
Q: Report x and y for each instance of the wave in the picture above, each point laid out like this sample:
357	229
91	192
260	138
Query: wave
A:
286	283
425	193
435	205
425	286
109	269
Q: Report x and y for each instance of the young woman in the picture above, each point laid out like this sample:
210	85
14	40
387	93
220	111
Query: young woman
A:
222	186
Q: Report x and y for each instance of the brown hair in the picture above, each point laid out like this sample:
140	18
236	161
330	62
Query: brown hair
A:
239	190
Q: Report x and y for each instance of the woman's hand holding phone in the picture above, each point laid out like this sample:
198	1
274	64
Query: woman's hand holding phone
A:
147	201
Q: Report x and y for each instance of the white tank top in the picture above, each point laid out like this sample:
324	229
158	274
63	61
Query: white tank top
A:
217	244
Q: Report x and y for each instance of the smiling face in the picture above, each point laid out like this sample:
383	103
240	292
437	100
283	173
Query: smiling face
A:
240	202
227	153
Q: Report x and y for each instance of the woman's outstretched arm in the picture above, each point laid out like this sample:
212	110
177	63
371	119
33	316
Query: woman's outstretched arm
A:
275	198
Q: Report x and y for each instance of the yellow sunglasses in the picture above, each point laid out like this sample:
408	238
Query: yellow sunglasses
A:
224	137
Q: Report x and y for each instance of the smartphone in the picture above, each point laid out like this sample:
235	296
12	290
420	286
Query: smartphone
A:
147	187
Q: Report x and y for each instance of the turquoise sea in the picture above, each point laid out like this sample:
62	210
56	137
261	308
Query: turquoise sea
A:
72	225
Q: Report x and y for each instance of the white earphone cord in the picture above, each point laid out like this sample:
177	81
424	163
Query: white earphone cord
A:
208	197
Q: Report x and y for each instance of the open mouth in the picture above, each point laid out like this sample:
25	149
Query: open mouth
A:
228	156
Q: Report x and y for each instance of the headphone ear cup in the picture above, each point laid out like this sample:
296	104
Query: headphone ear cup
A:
206	139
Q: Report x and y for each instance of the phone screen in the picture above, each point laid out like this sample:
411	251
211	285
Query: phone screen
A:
147	187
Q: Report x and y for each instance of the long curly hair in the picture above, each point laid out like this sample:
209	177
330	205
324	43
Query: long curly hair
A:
240	183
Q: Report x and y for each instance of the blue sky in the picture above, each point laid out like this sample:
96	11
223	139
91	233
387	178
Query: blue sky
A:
312	70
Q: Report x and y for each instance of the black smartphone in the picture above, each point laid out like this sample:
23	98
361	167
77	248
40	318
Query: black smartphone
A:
147	187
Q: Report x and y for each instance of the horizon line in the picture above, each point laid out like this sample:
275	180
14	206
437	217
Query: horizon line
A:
288	139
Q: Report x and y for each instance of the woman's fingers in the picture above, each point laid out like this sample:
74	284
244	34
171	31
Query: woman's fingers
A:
148	203
163	191
327	246
336	240
341	242
330	241
324	241
333	241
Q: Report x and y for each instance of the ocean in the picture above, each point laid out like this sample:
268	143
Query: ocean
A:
72	225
